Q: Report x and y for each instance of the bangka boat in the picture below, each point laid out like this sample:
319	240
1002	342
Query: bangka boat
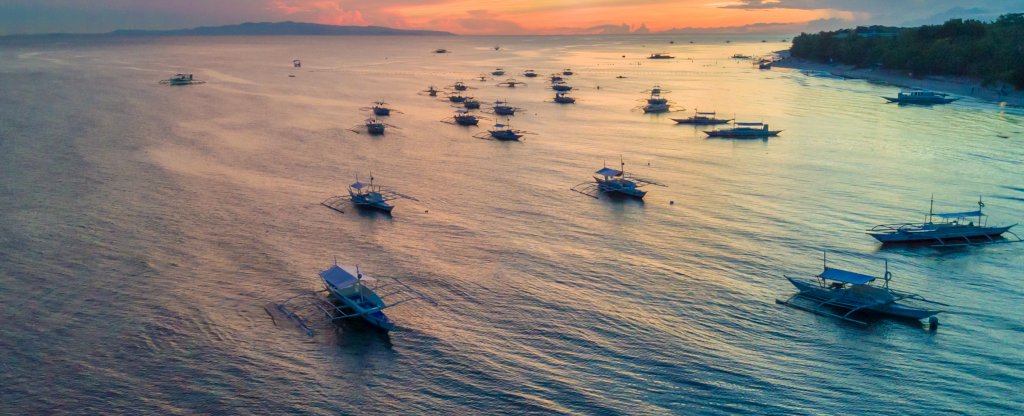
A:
567	71
921	96
660	55
562	98
372	127
498	72
380	109
349	294
471	104
953	229
615	183
368	196
561	86
182	79
556	78
503	108
457	98
430	91
463	118
296	63
748	130
510	83
460	86
702	118
529	73
844	294
441	50
502	132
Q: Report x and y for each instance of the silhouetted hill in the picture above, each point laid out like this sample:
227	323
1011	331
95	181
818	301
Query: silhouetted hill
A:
278	28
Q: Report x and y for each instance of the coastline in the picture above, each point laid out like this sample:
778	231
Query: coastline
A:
961	86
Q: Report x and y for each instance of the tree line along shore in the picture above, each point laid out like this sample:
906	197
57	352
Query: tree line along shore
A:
992	52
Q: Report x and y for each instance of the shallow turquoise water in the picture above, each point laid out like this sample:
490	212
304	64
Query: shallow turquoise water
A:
144	228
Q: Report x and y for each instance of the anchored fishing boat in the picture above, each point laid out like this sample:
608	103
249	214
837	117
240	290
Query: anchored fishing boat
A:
567	72
561	86
503	108
457	98
349	294
296	63
380	109
464	118
366	195
510	83
702	118
459	86
660	55
851	293
562	98
921	96
430	91
471	103
498	72
953	229
744	131
182	79
502	132
615	183
529	73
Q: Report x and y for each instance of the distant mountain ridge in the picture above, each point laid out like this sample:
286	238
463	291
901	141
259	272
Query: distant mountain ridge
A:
268	29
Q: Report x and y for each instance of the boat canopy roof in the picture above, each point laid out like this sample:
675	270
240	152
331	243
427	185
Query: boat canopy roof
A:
960	214
359	185
750	124
339	277
608	172
845	276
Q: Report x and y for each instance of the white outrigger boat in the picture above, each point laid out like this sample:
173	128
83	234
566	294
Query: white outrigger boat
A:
366	195
954	229
349	294
615	183
843	294
741	130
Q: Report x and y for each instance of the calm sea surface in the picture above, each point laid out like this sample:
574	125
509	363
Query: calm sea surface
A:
144	228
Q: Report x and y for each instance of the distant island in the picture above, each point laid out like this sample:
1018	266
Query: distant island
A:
988	51
266	29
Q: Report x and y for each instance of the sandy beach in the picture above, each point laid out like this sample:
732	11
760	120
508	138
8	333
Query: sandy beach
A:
963	86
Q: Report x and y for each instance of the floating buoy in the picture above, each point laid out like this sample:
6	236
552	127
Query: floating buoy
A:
671	202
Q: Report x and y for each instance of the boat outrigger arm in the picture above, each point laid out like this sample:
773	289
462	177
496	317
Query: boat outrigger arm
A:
304	307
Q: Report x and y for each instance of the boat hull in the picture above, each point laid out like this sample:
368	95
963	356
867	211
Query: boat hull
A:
744	135
700	122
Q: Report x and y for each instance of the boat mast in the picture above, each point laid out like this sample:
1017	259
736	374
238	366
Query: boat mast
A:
887	274
980	206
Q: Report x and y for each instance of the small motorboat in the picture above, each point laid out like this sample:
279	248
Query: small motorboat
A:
744	131
921	96
502	132
529	73
953	229
660	55
498	72
441	50
510	83
567	71
561	86
844	294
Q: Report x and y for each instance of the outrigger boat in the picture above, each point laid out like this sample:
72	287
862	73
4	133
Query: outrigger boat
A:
566	71
372	126
182	79
615	183
380	108
502	108
460	86
457	98
920	96
954	229
463	118
660	55
510	83
431	91
368	196
502	132
296	63
561	98
702	118
471	103
561	86
529	73
498	72
349	294
556	78
441	50
851	293
744	131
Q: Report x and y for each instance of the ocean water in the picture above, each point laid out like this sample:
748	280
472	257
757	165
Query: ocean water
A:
144	229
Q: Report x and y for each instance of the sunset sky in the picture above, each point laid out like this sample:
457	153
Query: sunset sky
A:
505	17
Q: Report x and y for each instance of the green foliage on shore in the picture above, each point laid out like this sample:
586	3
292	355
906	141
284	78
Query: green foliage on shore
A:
990	51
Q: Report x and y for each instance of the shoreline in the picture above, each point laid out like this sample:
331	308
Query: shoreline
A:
961	86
